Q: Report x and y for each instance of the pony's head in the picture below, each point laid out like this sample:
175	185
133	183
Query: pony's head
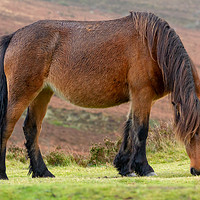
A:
193	151
187	126
188	132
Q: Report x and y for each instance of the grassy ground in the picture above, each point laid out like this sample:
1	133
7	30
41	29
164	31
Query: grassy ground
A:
73	182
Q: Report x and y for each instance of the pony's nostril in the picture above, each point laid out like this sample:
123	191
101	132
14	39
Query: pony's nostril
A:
193	171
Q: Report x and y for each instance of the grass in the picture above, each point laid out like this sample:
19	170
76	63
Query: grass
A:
73	182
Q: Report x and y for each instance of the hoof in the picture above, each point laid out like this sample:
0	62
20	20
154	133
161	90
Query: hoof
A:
131	175
152	174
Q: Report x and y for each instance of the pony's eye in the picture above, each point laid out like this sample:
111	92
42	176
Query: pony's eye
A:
197	133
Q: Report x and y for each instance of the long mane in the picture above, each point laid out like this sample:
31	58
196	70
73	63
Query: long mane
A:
167	49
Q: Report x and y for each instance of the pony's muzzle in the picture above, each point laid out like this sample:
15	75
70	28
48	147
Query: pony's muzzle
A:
194	172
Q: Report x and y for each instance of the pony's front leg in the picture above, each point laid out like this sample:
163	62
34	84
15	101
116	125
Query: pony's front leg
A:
132	155
138	160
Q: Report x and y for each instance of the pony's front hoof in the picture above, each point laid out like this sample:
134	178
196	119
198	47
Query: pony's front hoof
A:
152	174
131	175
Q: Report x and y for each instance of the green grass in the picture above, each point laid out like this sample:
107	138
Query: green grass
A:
168	159
72	182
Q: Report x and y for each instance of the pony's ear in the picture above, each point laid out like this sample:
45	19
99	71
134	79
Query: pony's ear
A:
177	113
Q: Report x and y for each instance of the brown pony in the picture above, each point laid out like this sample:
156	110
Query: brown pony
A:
138	58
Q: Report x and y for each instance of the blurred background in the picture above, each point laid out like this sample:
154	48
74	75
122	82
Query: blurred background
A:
75	129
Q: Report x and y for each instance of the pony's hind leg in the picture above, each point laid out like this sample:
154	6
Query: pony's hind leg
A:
32	127
132	155
15	108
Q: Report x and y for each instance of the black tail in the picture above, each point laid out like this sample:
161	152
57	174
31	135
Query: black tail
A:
4	42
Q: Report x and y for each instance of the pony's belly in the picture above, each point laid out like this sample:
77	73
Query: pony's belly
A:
92	96
96	102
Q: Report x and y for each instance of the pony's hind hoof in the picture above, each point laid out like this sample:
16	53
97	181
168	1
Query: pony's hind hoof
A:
131	175
152	174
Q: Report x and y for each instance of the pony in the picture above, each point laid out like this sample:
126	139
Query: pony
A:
99	64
